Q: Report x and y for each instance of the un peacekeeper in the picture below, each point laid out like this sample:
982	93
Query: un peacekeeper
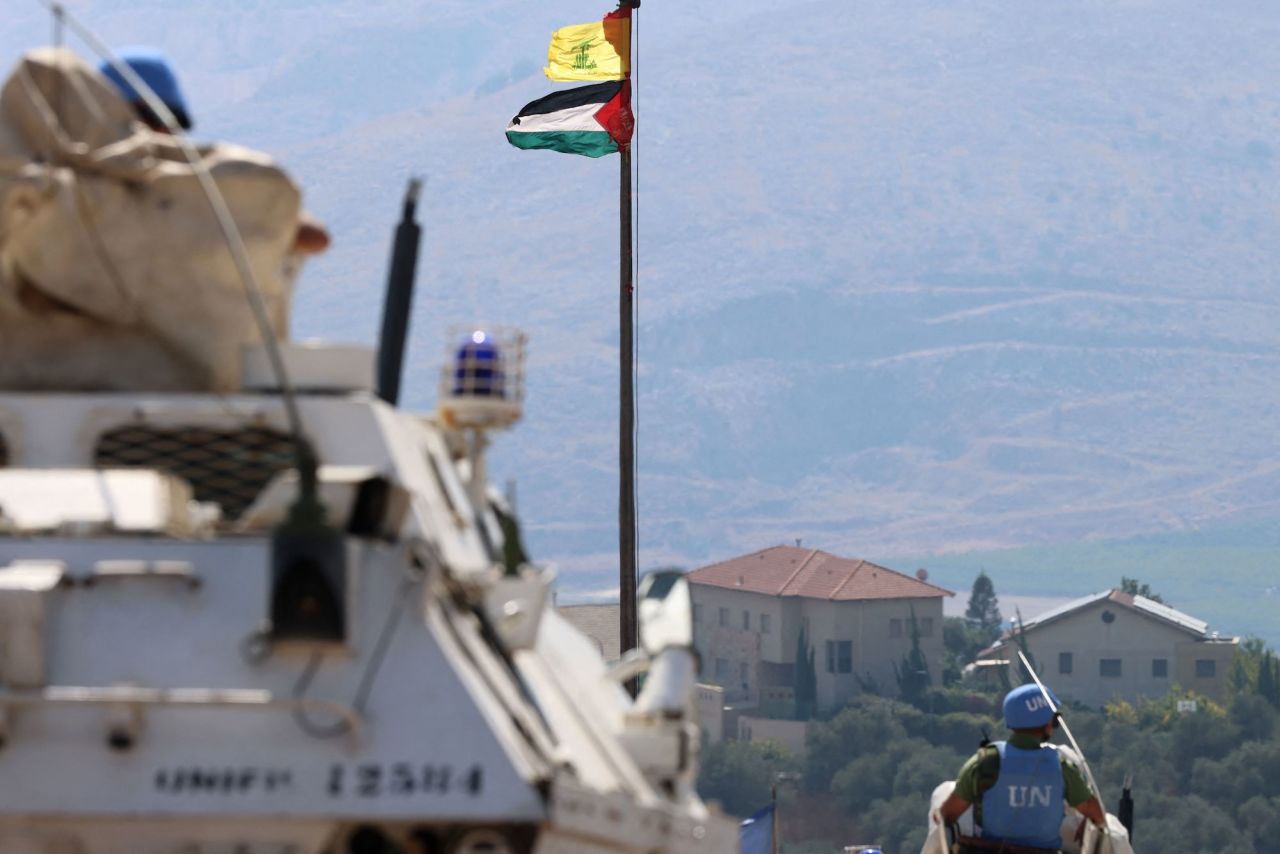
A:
1017	787
154	69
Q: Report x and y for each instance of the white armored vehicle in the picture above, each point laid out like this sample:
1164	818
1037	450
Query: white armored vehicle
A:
247	605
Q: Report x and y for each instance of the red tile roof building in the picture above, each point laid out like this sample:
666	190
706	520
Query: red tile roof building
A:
856	615
815	574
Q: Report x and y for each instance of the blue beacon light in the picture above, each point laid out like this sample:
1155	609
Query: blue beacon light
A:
477	368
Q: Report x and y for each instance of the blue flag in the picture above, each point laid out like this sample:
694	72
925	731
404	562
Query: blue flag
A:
755	836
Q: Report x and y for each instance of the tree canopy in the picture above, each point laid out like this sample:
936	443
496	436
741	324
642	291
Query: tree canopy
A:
1205	781
984	608
912	673
806	678
1134	587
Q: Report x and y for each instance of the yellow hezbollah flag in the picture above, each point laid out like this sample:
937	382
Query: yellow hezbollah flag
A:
598	51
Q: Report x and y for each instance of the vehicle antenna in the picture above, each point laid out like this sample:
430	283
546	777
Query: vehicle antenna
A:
1125	808
398	303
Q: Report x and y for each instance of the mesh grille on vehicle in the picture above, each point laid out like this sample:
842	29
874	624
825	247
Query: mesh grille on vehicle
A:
229	467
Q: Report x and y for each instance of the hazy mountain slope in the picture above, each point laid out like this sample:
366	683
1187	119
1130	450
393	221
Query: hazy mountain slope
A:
972	280
913	275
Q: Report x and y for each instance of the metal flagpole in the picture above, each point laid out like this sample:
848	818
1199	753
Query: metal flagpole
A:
626	408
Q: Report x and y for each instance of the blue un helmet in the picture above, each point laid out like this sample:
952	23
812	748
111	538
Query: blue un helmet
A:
153	67
1026	708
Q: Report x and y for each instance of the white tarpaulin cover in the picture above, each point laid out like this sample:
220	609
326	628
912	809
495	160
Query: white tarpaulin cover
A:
113	272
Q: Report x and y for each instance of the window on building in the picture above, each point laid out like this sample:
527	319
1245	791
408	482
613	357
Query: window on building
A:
1066	662
1109	667
895	628
746	621
1160	668
844	656
831	656
1206	668
724	616
722	671
926	626
743	669
766	622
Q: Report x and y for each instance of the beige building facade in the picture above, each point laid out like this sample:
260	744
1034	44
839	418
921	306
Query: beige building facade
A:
791	736
856	615
708	701
1116	646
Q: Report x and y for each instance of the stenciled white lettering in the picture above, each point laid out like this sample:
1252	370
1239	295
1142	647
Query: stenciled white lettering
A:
1024	796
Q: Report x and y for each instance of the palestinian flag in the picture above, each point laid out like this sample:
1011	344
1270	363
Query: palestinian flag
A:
591	120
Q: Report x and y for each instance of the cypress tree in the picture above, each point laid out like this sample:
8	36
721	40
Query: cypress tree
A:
913	674
806	678
1239	682
811	677
798	675
1269	679
984	608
